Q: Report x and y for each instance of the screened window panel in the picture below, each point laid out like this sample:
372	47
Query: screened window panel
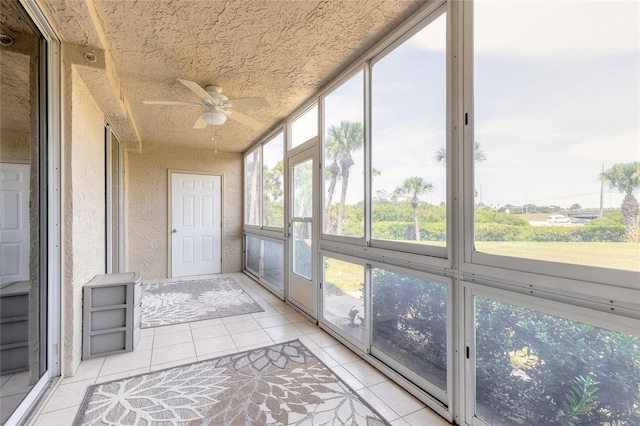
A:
304	127
253	254
536	368
343	296
410	323
273	263
343	152
556	131
252	185
408	142
273	182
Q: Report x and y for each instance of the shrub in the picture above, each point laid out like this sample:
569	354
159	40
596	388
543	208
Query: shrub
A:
405	231
534	368
410	315
492	216
502	232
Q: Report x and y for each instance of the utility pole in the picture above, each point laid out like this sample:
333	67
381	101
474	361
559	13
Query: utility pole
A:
601	190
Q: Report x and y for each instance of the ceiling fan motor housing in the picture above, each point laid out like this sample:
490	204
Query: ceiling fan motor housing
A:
216	93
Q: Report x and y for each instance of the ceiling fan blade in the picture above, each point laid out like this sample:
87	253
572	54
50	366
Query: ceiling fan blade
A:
248	102
200	123
195	88
244	119
170	103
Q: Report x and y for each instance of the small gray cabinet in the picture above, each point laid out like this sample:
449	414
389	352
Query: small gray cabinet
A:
112	314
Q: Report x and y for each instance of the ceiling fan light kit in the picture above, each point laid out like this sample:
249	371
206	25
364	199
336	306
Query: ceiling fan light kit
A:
217	106
214	118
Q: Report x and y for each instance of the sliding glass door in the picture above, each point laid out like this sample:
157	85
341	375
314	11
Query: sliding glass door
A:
28	203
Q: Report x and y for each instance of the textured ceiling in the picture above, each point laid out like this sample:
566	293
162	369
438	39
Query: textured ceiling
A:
284	51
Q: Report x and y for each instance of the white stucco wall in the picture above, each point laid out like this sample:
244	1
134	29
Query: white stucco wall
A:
147	204
84	208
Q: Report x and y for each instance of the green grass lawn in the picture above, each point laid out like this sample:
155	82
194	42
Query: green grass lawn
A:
343	276
609	255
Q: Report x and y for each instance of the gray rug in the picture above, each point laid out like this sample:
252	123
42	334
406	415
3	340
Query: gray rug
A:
194	300
279	384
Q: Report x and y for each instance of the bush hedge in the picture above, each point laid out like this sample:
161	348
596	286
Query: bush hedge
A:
500	232
531	368
534	368
403	231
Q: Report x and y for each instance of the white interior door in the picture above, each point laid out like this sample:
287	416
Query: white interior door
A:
196	224
303	249
14	222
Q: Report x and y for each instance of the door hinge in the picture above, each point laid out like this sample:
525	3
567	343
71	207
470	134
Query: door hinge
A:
467	352
466	118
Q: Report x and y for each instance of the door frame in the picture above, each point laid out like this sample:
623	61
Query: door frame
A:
111	139
170	173
308	151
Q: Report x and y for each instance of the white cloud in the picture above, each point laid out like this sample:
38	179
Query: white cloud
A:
556	29
609	150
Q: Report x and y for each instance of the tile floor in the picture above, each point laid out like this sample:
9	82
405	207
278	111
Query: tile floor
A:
13	389
172	345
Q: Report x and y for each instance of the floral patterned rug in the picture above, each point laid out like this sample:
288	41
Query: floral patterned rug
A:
279	384
194	300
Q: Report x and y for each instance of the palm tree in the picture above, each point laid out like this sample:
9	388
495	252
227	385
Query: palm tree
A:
478	155
332	151
414	187
253	218
625	177
347	138
272	181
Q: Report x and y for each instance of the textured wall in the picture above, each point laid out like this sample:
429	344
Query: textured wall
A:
147	204
84	215
14	147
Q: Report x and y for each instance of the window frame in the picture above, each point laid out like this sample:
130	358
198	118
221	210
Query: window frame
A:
587	315
362	346
112	143
299	114
427	17
442	396
553	277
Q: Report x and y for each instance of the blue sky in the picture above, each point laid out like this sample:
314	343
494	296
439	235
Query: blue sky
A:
556	96
556	92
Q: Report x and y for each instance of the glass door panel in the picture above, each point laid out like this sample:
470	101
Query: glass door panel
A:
23	215
302	250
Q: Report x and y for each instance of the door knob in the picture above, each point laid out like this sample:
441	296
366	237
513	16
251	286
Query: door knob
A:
173	231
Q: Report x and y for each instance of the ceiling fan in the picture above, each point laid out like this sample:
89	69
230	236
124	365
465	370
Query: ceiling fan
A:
217	106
